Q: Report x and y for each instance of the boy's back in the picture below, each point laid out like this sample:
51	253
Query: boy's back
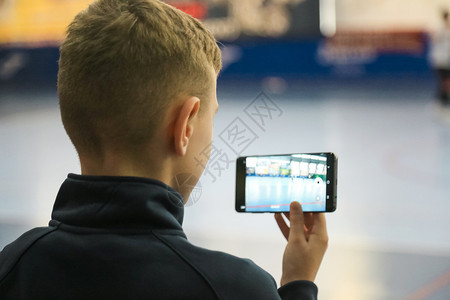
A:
121	238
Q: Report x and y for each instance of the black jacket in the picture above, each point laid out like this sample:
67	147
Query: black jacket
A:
121	238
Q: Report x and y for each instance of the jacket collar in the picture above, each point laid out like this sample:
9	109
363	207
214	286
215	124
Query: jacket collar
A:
118	202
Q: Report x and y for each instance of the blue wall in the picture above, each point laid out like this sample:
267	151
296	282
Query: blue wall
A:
28	67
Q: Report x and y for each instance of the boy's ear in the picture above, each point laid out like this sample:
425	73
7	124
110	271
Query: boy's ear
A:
183	126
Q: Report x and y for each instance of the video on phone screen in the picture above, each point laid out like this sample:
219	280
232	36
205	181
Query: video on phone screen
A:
273	182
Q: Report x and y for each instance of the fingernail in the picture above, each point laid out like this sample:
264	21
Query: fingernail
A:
295	204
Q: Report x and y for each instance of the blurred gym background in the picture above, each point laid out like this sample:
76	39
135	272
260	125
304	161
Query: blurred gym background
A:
347	76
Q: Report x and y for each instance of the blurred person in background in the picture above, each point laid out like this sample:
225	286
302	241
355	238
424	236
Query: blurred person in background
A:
440	58
137	91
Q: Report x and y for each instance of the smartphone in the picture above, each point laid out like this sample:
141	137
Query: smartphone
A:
269	183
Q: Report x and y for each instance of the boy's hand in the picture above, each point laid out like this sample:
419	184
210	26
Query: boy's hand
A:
307	242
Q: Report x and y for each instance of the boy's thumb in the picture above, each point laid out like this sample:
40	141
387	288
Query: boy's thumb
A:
296	221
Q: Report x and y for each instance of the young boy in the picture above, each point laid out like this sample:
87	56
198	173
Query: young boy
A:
137	90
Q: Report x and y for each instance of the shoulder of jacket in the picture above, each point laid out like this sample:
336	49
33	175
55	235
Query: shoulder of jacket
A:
229	276
12	253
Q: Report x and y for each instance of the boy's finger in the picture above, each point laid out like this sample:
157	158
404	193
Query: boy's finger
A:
297	222
319	230
320	223
282	225
308	219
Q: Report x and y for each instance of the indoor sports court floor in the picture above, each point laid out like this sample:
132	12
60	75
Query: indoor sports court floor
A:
390	235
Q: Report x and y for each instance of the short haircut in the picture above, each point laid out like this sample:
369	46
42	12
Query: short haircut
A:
121	64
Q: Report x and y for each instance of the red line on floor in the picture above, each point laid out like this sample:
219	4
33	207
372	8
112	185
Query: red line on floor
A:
431	287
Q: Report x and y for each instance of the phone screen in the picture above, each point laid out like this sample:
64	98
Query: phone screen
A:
272	182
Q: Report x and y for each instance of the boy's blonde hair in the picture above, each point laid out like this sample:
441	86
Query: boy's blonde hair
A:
122	63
